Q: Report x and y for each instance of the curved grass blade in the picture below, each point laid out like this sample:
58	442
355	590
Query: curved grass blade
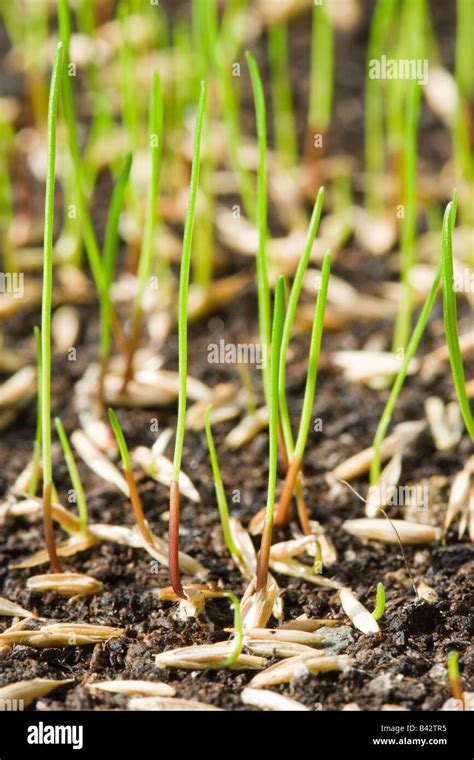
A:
450	316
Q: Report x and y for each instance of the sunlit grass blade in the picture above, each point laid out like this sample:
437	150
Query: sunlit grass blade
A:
73	473
219	487
175	575
296	459
450	316
45	384
263	288
277	330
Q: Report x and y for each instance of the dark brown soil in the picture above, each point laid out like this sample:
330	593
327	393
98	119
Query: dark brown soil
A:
395	667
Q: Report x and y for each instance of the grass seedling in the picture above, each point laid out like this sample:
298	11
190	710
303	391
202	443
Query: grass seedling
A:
90	240
239	634
128	85
155	131
228	102
73	473
282	97
375	466
175	575
277	330
290	317
35	473
402	326
296	459
380	602
263	289
132	486
455	677
6	200
399	381
219	487
450	317
45	383
109	257
321	86
374	105
464	156
102	120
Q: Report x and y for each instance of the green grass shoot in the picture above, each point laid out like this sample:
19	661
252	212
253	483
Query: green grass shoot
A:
295	461
142	523
228	101
219	487
455	676
36	466
322	63
408	232
399	381
155	136
290	317
183	348
73	473
45	384
374	145
263	289
109	258
450	316
282	96
380	602
89	236
277	330
238	629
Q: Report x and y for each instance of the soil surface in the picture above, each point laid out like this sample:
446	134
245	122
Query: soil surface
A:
401	666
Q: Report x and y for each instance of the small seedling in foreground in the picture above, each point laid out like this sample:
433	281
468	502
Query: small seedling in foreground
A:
380	603
174	511
305	420
45	384
132	486
277	329
239	634
455	677
73	473
219	486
